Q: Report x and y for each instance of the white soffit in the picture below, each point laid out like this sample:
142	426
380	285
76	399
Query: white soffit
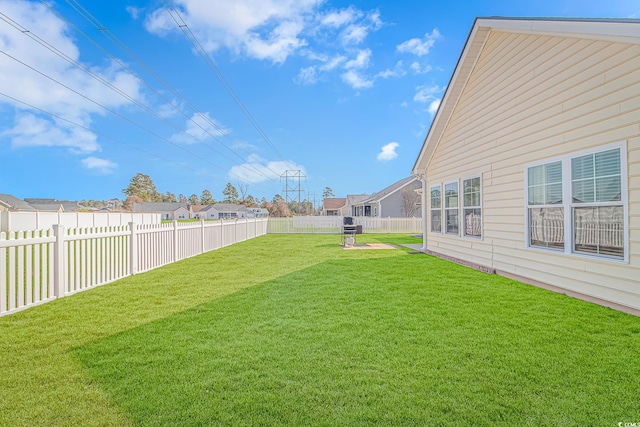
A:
624	31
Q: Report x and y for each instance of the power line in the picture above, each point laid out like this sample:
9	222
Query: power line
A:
123	47
112	111
186	30
119	141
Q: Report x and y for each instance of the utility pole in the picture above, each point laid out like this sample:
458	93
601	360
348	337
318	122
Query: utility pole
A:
292	185
313	205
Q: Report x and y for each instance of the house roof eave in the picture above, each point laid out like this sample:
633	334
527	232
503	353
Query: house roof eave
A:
615	30
468	57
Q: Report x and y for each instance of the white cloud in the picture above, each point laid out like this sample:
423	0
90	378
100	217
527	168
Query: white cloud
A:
307	75
416	68
282	42
360	61
419	47
32	131
339	18
201	127
356	80
18	81
134	12
433	107
263	29
275	30
257	169
398	71
426	93
388	152
333	63
355	34
103	166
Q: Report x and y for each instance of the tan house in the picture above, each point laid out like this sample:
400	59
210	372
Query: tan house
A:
531	167
334	206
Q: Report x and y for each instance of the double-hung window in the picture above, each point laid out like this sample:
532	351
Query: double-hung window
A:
471	208
436	209
597	207
451	211
577	204
546	213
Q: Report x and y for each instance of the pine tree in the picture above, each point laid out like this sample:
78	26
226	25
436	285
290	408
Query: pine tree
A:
143	187
230	194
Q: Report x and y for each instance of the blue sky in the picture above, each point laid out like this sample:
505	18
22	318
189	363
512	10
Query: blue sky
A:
343	91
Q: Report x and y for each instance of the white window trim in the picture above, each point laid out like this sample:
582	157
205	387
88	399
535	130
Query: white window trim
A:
462	224
445	209
441	208
568	205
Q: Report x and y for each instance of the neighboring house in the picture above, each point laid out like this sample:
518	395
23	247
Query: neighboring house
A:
353	200
4	206
531	167
167	210
14	204
332	206
195	210
399	200
53	205
257	213
224	211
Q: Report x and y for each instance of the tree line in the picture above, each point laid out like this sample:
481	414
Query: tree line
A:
141	189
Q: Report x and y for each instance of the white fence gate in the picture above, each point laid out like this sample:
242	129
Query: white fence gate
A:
42	265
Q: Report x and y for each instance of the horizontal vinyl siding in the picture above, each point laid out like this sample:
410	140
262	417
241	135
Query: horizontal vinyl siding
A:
532	98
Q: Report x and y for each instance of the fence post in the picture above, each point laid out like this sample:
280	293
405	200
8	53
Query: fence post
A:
202	235
58	261
133	249
175	240
221	232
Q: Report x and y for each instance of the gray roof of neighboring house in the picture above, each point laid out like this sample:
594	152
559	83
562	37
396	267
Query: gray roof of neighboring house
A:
357	198
53	205
159	206
229	207
377	196
16	203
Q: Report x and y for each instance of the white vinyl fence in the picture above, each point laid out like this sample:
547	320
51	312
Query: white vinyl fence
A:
333	224
42	265
41	220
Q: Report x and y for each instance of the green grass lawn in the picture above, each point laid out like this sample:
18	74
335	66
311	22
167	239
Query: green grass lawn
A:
293	330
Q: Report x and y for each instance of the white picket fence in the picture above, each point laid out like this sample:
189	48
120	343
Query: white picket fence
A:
42	265
333	224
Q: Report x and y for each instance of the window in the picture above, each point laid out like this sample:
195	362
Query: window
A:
451	208
598	211
471	209
590	189
436	209
546	219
